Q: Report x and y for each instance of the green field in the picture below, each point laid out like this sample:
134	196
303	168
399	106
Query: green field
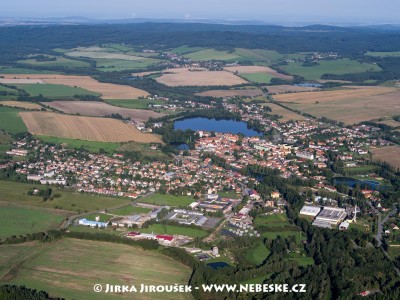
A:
102	217
11	120
117	65
59	62
211	54
130	210
338	67
258	77
55	91
258	55
257	254
69	268
134	103
275	220
170	200
14	192
171	230
88	145
8	90
19	220
230	194
14	70
185	50
383	54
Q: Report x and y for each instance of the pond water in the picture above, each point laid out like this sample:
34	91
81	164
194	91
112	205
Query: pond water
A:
218	265
352	182
224	126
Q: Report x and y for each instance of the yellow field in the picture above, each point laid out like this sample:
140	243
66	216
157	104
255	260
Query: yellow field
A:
84	128
20	104
286	88
349	105
390	154
257	69
107	90
184	77
285	113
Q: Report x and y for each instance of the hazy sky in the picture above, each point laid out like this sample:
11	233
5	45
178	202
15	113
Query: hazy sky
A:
367	11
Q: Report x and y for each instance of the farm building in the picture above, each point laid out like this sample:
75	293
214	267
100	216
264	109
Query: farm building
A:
92	224
310	210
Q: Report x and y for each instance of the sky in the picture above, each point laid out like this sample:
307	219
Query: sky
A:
270	11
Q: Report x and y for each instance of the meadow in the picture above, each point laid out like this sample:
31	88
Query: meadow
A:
231	93
85	128
174	230
59	62
169	200
257	254
134	103
340	66
261	78
21	220
17	193
11	120
70	268
130	210
118	65
55	91
12	94
211	54
285	88
16	70
90	146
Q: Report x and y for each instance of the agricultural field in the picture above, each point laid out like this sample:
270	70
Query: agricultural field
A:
258	55
261	78
285	113
383	54
275	220
54	91
285	88
88	145
15	70
123	65
169	200
102	54
11	121
102	217
59	62
21	220
16	193
231	93
93	108
130	210
185	50
84	128
390	154
350	105
175	230
12	81
107	90
134	103
211	54
21	104
252	70
64	272
184	77
338	67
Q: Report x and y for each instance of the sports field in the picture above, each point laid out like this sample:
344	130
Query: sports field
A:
21	220
16	193
350	105
175	230
107	90
170	200
11	120
340	66
390	154
94	108
185	77
85	128
69	268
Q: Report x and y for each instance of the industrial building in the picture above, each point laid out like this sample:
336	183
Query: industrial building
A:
310	210
330	216
187	217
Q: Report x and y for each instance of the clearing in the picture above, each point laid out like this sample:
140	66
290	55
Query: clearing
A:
85	128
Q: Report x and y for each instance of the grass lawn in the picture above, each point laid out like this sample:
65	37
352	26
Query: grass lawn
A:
341	66
169	200
171	229
275	220
19	220
230	194
15	192
134	103
11	120
59	62
211	54
91	146
257	254
130	210
258	77
55	91
69	268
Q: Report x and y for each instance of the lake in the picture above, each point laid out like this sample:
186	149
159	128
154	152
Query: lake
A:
218	265
224	126
352	182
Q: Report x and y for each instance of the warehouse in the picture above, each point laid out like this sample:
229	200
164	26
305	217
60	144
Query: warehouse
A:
310	210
